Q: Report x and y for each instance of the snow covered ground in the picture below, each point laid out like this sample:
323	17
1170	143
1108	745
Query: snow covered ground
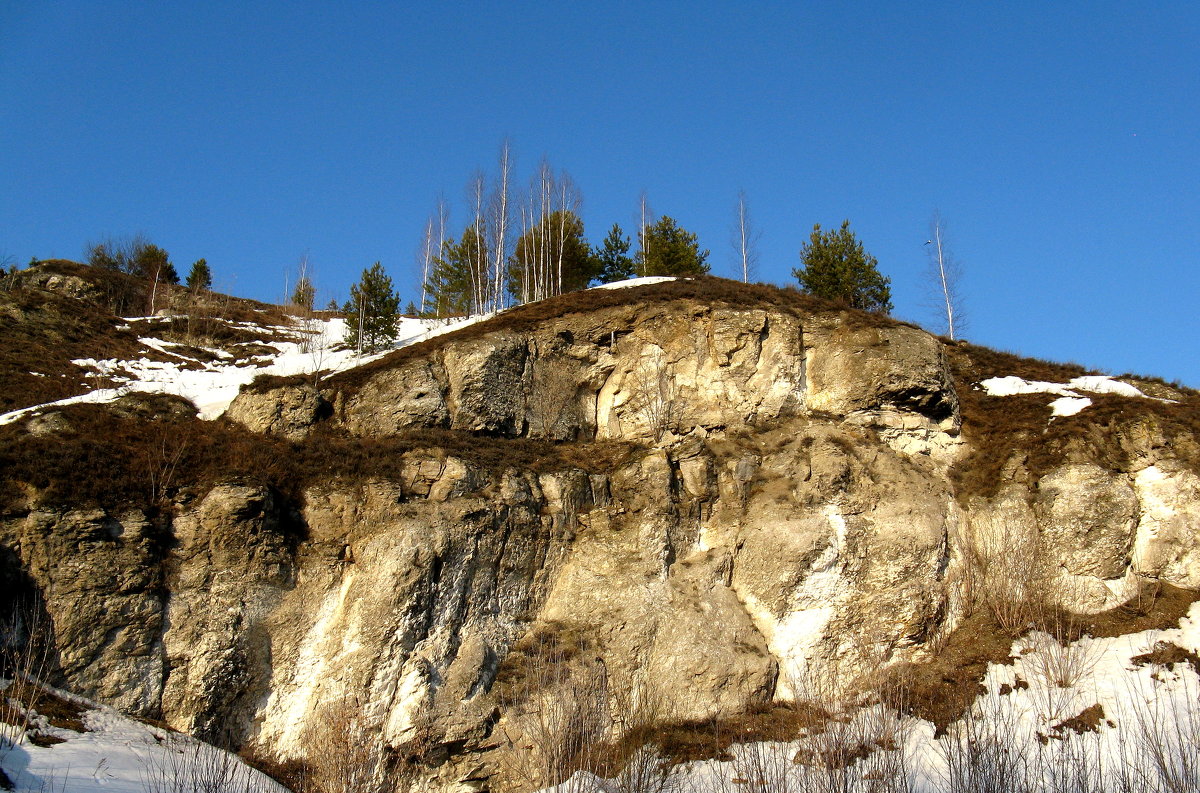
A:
1070	401
642	281
312	346
115	754
212	385
1086	717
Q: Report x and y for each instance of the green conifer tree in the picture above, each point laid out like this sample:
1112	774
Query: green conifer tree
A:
199	277
304	294
553	254
459	278
836	267
153	263
671	250
612	259
372	311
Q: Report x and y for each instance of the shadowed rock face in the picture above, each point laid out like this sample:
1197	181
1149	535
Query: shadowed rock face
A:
789	511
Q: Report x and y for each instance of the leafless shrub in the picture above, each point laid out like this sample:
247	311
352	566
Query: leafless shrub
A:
351	753
1075	764
861	746
198	315
182	765
1167	733
552	389
866	748
314	343
984	753
762	766
656	398
1008	576
49	781
557	719
639	710
25	658
1059	666
161	459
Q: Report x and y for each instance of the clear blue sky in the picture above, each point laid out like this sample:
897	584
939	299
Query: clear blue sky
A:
1061	141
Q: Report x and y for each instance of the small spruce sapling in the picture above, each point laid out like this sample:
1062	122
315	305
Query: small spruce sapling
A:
372	311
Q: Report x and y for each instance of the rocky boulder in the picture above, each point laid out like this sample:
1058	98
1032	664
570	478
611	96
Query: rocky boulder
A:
288	411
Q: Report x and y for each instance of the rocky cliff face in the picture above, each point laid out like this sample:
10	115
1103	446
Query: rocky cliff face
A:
792	504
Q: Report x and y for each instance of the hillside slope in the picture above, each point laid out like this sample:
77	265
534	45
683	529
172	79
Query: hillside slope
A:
720	492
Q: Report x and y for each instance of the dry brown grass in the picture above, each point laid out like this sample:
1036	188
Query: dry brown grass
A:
1014	436
683	742
1168	654
42	332
295	775
110	285
942	689
1157	606
121	455
975	363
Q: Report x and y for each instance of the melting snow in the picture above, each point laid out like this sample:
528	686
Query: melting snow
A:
1011	386
119	755
1071	399
1092	384
645	279
1068	406
212	385
1016	725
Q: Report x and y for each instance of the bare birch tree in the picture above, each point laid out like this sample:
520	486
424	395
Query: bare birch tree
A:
499	211
479	260
647	217
305	293
745	238
568	206
946	273
429	253
544	277
543	256
442	213
425	257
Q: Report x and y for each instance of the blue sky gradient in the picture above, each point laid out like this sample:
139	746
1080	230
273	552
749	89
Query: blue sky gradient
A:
1060	141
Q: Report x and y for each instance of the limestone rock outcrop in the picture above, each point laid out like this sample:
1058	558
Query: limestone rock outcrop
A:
785	506
288	412
664	371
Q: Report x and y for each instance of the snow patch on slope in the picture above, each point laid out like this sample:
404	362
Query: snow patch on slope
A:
1091	707
1070	395
642	281
116	754
1068	406
315	346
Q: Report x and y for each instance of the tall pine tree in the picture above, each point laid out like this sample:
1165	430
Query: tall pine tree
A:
837	267
459	282
671	250
200	276
372	311
551	258
612	259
